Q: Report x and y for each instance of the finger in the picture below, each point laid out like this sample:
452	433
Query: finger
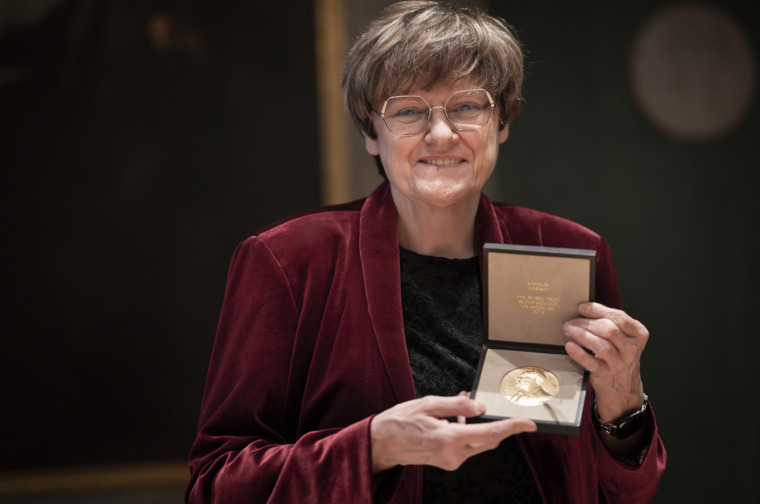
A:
601	327
621	319
601	338
605	339
488	435
582	357
462	419
442	407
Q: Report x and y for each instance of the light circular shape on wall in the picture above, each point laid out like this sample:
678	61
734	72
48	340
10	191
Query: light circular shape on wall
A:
693	73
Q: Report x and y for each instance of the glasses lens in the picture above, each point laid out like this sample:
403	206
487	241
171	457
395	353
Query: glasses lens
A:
469	110
406	115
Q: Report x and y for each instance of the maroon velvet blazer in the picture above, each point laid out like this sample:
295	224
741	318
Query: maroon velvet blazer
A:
310	345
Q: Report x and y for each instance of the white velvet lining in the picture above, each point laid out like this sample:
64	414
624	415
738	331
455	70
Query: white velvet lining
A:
563	408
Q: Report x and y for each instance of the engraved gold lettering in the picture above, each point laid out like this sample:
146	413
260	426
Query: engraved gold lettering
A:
537	304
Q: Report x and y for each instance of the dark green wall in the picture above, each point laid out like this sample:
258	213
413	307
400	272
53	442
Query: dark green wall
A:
130	172
681	218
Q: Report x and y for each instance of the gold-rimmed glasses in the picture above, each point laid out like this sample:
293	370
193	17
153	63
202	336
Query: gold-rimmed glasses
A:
409	115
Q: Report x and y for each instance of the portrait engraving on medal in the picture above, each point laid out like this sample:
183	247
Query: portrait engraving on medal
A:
529	386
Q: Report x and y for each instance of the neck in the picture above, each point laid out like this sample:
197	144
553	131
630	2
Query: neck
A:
435	231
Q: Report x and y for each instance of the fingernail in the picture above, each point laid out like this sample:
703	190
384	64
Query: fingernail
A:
480	408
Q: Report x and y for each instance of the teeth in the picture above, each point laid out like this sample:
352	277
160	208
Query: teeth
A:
442	162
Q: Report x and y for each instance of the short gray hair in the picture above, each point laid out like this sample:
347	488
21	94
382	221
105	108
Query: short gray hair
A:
424	43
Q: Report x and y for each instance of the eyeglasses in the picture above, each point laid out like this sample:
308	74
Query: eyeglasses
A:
410	115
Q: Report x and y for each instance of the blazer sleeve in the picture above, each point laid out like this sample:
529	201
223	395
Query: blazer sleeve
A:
246	448
619	480
623	481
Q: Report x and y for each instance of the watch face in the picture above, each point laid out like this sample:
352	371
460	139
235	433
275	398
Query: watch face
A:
630	425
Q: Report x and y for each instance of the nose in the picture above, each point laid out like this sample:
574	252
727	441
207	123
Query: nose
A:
439	127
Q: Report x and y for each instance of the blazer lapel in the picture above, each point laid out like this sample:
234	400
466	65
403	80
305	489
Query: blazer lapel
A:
378	249
487	226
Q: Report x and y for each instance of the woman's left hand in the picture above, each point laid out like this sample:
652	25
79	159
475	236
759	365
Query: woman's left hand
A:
616	341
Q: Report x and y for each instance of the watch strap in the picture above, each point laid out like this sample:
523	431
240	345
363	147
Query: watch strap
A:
627	425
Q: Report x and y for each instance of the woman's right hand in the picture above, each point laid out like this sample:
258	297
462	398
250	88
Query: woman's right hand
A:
417	432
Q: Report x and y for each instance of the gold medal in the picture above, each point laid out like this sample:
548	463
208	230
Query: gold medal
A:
529	386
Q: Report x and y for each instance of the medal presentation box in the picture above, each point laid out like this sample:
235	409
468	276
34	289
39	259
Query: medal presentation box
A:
529	292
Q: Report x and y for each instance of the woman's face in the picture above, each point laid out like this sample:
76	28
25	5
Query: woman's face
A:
441	167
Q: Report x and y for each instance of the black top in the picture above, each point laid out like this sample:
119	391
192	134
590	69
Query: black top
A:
442	305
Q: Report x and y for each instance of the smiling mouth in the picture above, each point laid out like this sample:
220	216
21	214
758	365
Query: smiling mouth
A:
442	162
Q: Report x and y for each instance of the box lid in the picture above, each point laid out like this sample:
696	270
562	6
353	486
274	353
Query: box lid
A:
530	291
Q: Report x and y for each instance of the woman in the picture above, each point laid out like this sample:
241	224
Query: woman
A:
348	332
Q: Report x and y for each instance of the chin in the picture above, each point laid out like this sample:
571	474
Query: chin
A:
448	196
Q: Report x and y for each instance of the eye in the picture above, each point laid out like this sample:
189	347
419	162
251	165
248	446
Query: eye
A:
466	107
409	113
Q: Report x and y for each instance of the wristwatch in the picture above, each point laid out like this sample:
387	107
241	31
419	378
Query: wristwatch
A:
627	425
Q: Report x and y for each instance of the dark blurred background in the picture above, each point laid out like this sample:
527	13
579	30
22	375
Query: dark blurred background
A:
140	141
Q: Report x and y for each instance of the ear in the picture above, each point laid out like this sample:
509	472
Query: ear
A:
504	134
371	145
